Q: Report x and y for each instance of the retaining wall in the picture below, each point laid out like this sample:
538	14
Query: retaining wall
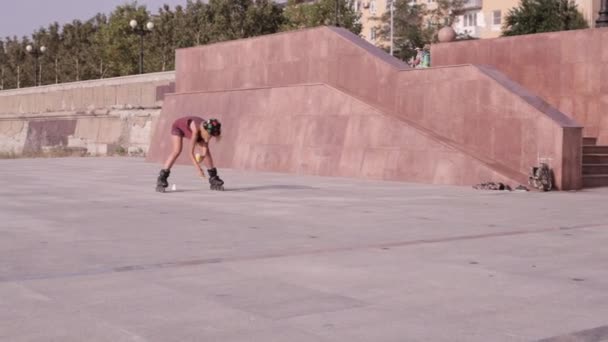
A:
97	117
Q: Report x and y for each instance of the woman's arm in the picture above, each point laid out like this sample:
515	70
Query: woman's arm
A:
206	155
193	142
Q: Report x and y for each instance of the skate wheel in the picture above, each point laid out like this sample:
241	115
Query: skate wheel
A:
217	187
160	189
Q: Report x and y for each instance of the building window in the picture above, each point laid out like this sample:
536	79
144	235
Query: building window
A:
470	19
496	17
372	34
372	6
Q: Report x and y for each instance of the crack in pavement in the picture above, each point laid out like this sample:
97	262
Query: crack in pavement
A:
205	261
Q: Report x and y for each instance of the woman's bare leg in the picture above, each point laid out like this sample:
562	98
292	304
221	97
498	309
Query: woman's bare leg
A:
177	149
208	161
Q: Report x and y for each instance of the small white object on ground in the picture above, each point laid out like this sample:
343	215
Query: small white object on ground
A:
173	187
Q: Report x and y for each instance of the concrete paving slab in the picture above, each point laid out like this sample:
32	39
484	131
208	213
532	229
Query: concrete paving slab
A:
89	251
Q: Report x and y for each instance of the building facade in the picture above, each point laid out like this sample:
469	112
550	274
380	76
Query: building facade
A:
371	17
371	13
484	18
481	18
590	10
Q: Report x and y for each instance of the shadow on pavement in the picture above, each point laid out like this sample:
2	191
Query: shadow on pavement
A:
180	190
272	187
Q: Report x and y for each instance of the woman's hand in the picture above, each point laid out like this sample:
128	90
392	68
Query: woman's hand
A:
201	173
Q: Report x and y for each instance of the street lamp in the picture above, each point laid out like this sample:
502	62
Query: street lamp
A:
602	20
336	13
141	31
392	3
36	53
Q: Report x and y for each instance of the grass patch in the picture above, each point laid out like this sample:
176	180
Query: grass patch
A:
119	150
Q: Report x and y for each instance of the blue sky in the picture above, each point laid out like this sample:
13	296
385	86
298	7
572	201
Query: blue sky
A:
22	17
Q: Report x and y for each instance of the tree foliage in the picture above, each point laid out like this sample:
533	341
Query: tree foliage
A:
416	25
106	46
16	58
3	64
299	15
536	16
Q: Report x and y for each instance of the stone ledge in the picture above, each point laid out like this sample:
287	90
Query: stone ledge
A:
146	78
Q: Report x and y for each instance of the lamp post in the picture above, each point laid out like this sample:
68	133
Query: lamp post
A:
141	31
392	4
36	53
602	20
336	22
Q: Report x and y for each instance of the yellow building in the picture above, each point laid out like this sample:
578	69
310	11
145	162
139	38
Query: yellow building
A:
590	10
371	11
484	18
481	19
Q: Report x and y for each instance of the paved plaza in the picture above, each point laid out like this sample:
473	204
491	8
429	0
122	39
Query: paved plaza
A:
90	252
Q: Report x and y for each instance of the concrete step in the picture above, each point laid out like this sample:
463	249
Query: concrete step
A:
589	141
595	169
595	181
595	149
595	158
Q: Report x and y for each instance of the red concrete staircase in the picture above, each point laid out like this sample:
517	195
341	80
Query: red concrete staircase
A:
595	163
353	110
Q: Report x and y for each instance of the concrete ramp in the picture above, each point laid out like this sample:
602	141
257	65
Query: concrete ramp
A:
323	101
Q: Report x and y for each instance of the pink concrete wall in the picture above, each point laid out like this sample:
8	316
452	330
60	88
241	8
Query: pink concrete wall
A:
485	113
475	110
564	68
282	129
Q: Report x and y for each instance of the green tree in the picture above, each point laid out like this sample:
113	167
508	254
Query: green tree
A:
444	14
106	46
265	17
39	39
299	15
193	24
536	16
408	28
163	40
52	40
414	25
3	65
227	19
121	44
76	54
236	19
98	56
16	57
28	68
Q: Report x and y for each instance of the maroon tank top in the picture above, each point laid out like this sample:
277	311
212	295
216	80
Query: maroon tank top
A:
184	125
